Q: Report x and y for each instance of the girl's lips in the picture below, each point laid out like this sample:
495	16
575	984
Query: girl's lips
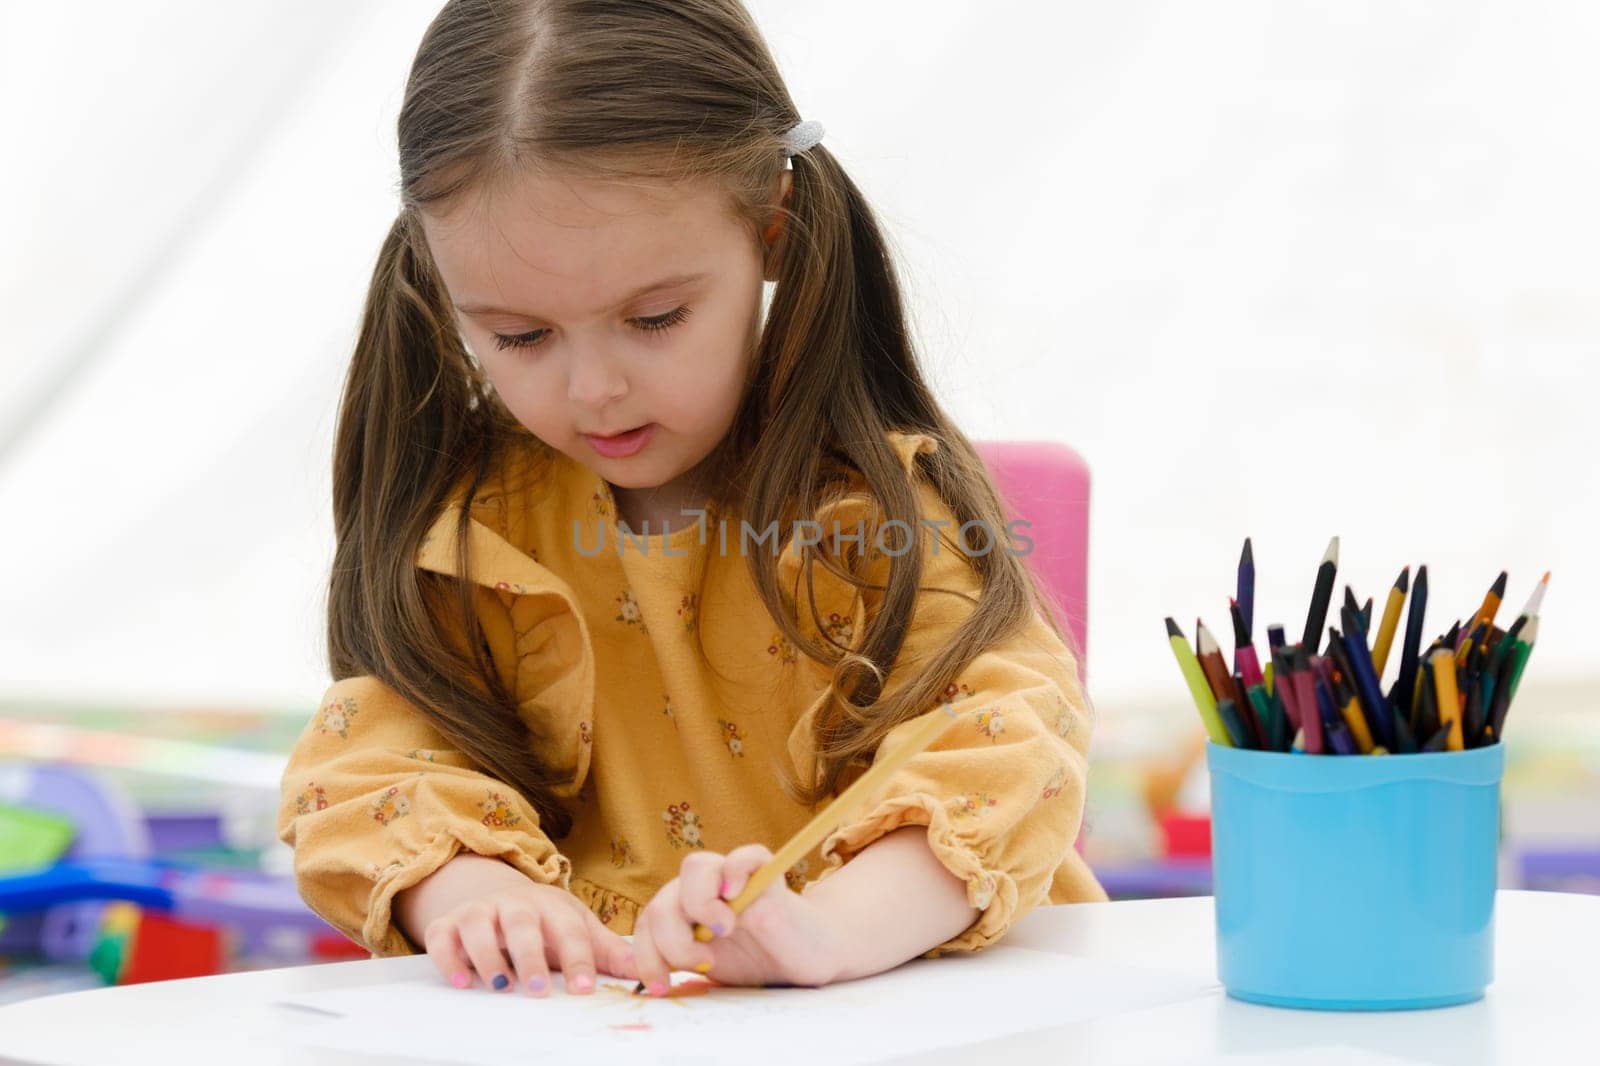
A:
623	444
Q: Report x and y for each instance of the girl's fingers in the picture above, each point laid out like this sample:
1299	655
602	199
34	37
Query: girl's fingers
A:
653	969
480	936
612	953
672	933
699	883
443	946
569	940
525	944
742	863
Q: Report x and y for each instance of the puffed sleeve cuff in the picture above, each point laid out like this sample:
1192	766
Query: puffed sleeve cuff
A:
374	799
532	854
990	888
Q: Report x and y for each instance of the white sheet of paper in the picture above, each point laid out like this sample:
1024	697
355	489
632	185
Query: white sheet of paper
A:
922	1005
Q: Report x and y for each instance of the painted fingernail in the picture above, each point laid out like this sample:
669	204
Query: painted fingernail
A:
704	967
536	984
500	982
716	929
582	982
724	892
461	980
657	989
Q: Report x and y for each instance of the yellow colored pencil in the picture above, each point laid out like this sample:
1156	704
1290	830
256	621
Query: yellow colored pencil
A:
1444	683
1391	621
1491	603
925	732
1358	725
1204	699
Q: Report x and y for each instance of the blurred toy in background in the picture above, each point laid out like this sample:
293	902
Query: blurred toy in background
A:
81	882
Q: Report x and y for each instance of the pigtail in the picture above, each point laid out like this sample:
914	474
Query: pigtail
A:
838	292
416	420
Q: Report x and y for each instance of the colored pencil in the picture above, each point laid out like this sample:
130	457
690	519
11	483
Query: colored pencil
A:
1275	637
1205	700
1339	740
1366	683
1536	600
1258	735
1473	639
1209	652
1305	696
1439	741
1245	590
1244	653
1283	665
1405	740
1444	680
1413	642
1274	724
1473	718
1511	674
1391	621
1350	709
1350	603
1523	650
1233	719
1491	601
1428	720
1332	724
1275	640
1321	592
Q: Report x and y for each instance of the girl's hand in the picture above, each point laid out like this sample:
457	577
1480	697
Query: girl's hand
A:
537	928
780	939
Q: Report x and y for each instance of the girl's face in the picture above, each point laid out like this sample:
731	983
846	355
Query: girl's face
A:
596	308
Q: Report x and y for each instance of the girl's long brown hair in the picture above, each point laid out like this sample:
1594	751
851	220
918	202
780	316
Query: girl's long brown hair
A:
654	90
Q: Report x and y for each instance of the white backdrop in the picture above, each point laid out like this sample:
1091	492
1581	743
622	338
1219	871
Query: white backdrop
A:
1285	270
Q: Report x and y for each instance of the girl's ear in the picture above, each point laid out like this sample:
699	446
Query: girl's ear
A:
773	240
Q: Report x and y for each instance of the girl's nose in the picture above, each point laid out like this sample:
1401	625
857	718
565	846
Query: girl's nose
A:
594	380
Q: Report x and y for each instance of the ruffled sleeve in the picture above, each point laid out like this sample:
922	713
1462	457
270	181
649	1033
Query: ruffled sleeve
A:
1002	790
374	799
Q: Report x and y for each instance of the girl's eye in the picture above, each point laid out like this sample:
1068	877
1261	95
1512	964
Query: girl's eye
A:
653	324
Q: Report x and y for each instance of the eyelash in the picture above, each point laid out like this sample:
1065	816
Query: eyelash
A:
653	324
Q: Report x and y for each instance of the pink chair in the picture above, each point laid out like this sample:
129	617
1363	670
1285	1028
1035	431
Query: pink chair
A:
1046	485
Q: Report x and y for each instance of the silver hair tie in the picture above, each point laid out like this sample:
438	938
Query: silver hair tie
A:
805	135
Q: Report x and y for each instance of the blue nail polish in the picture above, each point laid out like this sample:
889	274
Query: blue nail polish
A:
500	982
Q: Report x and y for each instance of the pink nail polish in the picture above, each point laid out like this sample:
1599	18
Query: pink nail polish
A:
724	891
461	980
657	989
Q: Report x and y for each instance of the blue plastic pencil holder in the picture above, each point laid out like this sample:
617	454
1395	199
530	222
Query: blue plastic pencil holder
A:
1355	882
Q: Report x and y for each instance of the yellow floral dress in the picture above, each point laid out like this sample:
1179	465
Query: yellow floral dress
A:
663	752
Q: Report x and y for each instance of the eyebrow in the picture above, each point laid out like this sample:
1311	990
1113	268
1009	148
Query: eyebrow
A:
643	290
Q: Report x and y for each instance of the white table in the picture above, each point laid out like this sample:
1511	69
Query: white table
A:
1544	1005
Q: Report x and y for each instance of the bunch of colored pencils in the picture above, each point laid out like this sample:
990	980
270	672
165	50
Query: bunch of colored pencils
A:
1453	695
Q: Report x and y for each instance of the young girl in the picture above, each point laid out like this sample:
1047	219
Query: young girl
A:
550	727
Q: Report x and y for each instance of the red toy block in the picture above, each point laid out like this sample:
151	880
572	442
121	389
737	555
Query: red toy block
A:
165	949
1186	836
